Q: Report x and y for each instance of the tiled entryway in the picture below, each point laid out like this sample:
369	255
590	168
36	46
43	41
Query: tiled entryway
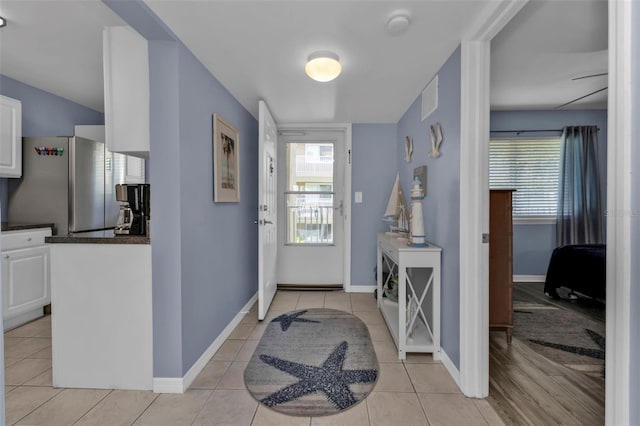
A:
417	391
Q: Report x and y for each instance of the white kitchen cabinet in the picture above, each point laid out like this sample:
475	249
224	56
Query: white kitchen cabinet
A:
25	276
10	137
126	91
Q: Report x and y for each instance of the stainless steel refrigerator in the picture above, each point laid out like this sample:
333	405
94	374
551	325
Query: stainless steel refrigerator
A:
68	181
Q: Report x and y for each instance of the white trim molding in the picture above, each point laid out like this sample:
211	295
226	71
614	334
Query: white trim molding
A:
450	366
361	289
181	384
617	385
529	278
474	195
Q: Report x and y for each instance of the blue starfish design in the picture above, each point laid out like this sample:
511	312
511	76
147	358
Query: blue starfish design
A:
592	353
329	378
286	320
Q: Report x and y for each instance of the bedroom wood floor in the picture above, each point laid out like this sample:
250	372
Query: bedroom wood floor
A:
526	388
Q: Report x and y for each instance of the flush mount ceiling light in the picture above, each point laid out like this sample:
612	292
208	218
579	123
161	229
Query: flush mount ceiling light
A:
3	22
398	22
323	66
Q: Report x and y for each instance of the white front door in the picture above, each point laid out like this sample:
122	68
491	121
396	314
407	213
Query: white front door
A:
312	207
267	209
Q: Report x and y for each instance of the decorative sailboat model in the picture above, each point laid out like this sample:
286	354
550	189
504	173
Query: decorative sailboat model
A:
397	212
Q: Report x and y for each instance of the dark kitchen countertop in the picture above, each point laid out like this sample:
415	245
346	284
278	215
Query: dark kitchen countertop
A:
98	237
6	226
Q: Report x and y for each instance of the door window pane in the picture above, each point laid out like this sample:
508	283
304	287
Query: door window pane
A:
309	193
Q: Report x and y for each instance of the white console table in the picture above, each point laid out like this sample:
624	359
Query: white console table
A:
414	321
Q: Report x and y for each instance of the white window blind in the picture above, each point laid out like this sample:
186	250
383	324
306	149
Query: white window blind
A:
531	167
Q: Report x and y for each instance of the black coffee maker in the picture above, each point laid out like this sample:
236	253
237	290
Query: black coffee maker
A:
138	197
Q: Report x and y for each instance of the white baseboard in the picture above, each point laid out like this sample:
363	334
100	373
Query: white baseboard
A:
529	278
181	384
450	366
361	288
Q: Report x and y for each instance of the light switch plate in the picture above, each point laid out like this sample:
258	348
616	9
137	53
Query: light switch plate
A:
358	197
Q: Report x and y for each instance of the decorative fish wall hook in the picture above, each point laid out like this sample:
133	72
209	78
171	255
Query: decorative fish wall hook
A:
436	140
408	149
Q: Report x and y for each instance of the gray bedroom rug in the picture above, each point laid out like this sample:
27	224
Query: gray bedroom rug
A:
561	335
313	362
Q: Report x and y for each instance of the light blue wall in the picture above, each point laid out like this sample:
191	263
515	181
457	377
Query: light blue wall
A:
373	171
634	397
43	114
441	206
204	254
533	244
219	241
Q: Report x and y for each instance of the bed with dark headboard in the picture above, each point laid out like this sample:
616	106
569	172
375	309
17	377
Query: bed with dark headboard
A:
580	268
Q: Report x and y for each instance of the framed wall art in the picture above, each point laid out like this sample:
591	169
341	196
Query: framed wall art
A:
226	161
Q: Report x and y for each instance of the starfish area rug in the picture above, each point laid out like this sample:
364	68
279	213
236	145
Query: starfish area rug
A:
561	335
313	362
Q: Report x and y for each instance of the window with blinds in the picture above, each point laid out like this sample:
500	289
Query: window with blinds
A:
531	167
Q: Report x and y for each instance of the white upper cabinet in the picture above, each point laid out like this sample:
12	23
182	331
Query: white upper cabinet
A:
10	137
126	91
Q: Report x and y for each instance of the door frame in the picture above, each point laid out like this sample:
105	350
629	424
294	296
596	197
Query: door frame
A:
474	194
346	128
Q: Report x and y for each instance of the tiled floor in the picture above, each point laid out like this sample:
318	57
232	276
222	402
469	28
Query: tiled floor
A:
418	391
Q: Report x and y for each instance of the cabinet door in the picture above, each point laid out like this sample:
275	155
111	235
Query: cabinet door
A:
126	91
25	280
10	137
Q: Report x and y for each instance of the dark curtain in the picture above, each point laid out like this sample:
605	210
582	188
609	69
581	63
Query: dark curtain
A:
579	218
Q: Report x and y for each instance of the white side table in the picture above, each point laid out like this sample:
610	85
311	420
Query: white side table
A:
414	321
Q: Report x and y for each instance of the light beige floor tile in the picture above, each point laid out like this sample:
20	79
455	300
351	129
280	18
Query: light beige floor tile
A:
362	302
23	400
390	408
44	379
242	332
228	350
251	318
343	305
268	417
25	370
370	317
210	375
338	300
44	353
282	308
431	378
258	331
120	407
417	358
379	332
386	351
234	376
174	409
8	389
311	299
488	412
450	410
354	416
247	350
65	408
393	378
20	347
286	296
228	407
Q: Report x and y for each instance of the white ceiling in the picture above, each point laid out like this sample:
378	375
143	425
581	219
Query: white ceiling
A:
257	49
64	59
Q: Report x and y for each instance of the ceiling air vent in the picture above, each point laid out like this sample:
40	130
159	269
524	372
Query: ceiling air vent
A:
430	98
